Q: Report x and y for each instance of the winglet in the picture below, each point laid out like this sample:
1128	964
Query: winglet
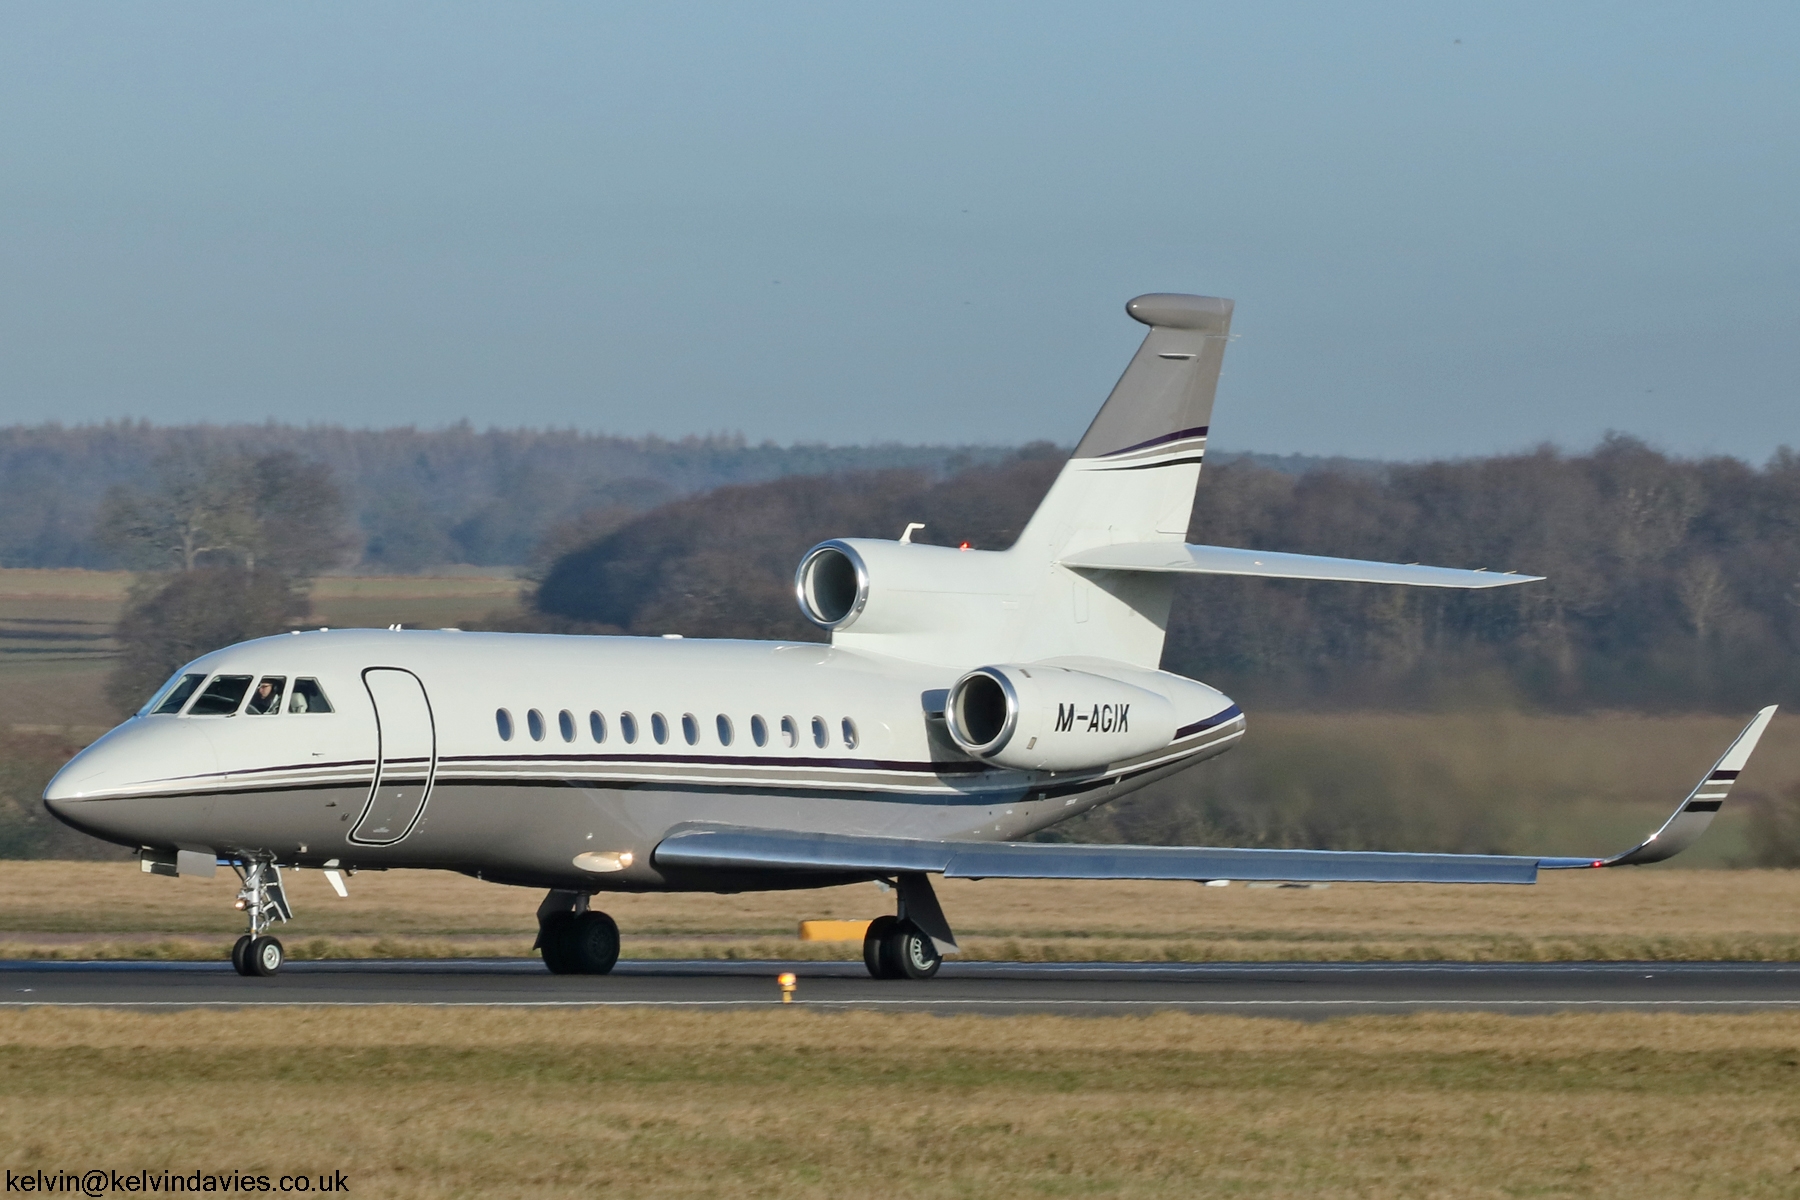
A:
1689	821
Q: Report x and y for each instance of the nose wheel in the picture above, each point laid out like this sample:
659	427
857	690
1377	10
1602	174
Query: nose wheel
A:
257	955
263	903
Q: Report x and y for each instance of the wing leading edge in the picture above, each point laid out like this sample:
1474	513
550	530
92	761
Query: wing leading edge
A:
732	848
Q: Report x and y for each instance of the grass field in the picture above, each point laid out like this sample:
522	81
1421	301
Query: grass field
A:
793	1103
84	910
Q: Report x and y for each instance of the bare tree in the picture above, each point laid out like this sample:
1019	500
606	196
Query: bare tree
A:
1704	595
202	505
229	545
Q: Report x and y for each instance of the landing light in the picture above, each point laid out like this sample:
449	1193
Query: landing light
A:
604	862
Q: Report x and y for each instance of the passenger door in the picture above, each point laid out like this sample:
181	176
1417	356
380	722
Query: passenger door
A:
406	756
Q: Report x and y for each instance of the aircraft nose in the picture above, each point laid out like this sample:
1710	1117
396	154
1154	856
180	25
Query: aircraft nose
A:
128	761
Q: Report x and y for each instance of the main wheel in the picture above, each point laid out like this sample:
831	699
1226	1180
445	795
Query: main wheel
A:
553	939
591	943
265	956
873	940
240	955
910	953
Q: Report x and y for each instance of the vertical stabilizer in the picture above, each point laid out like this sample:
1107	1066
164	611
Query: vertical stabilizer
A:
1132	479
1159	411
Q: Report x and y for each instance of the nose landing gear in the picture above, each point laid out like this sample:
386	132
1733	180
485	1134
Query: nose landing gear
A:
264	903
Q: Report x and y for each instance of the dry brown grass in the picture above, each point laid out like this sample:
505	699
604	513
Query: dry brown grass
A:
69	910
794	1103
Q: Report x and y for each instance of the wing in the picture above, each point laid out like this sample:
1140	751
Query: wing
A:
1180	558
731	848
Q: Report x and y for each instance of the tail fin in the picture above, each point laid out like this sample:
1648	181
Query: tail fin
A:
1158	413
1132	478
1133	475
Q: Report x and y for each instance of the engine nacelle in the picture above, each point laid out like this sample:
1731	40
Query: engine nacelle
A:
1047	718
832	584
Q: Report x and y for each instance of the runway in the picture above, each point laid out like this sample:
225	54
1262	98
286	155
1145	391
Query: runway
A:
1292	990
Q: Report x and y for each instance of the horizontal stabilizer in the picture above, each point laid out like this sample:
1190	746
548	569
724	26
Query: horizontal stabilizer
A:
1179	558
734	848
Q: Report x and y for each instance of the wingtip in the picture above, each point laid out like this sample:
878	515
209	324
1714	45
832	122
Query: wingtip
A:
1696	811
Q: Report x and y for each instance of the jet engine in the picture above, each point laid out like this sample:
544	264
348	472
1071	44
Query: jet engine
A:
1045	718
832	584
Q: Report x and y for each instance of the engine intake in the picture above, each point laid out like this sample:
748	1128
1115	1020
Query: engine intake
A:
832	585
1041	718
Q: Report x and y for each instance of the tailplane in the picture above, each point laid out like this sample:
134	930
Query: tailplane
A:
1093	574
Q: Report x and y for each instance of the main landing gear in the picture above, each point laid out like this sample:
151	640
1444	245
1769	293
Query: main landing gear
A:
574	939
264	903
896	949
907	946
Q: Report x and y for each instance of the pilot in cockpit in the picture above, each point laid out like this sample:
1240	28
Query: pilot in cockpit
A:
266	698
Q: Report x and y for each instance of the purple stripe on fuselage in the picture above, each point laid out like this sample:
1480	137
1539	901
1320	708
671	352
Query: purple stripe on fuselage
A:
1211	722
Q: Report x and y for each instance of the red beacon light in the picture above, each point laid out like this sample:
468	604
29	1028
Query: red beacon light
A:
962	546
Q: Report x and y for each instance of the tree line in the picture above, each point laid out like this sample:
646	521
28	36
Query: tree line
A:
413	498
1671	583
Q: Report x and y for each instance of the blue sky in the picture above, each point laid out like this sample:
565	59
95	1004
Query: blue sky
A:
1450	229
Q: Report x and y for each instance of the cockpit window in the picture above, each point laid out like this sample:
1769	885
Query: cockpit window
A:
221	697
266	699
175	693
308	697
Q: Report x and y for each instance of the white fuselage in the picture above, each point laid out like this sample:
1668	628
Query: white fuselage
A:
422	774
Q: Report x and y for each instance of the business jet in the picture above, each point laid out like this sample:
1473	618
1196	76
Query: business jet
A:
966	699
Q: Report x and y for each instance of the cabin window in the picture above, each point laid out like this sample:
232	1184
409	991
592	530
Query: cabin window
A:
221	697
850	738
659	728
628	727
724	727
503	722
565	725
759	730
175	693
597	727
266	699
534	722
821	733
790	732
308	697
690	728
